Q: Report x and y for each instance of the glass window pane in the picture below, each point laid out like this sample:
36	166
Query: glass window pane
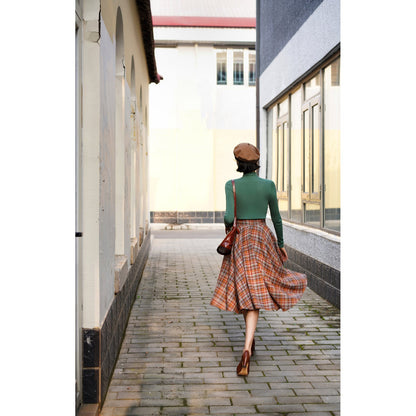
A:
222	67
252	69
296	156
285	157
312	87
315	148
306	153
313	214
334	69
274	146
332	147
238	68
269	143
280	166
283	107
283	208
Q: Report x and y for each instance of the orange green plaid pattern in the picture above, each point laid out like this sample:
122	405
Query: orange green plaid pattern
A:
253	275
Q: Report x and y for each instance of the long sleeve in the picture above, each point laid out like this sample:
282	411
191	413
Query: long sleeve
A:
229	201
275	214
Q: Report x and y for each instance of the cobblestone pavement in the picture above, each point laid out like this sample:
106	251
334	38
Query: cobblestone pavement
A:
179	354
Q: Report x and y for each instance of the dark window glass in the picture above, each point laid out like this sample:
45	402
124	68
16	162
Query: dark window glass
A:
238	68
222	68
252	69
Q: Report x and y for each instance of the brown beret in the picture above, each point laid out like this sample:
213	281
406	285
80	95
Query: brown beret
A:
246	152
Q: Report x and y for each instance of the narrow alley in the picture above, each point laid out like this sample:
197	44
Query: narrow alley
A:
179	354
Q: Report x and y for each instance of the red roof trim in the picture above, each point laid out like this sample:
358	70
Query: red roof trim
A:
203	21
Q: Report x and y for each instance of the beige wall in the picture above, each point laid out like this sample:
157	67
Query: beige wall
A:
194	126
114	152
224	164
133	45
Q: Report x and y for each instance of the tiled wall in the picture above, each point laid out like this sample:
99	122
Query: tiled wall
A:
322	279
186	217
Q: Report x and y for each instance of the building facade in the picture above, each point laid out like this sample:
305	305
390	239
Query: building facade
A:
298	130
203	108
115	64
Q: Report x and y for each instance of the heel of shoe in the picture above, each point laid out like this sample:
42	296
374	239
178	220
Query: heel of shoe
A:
243	367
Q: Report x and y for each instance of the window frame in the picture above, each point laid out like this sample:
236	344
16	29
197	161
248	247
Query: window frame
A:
251	82
221	51
240	72
285	148
232	68
311	195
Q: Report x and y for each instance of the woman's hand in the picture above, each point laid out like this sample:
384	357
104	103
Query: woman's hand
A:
284	254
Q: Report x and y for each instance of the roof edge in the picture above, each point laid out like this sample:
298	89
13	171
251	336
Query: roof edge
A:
146	24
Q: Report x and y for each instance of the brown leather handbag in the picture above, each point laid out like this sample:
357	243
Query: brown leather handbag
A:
225	247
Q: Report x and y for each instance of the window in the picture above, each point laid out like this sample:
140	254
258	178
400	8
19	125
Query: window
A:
303	140
296	156
238	67
281	156
312	87
333	69
252	68
222	67
241	63
311	143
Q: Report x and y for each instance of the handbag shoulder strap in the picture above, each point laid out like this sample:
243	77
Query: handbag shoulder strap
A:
235	204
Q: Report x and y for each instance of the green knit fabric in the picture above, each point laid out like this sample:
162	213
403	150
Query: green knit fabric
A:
254	195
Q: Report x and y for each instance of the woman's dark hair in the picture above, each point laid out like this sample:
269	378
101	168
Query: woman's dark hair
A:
246	167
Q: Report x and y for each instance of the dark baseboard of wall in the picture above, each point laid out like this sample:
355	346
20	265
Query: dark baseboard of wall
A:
101	346
322	279
186	217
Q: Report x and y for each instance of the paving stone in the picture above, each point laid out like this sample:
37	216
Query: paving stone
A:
300	399
181	411
320	392
280	408
250	400
311	414
230	410
179	354
137	411
328	407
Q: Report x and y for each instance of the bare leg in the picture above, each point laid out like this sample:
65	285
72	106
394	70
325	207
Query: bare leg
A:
245	314
250	318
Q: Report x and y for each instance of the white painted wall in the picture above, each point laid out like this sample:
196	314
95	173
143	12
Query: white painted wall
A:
107	170
205	35
90	197
98	170
194	126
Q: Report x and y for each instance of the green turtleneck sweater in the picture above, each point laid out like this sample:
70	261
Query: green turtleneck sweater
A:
254	195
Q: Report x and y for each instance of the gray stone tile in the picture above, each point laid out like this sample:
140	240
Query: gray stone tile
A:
179	354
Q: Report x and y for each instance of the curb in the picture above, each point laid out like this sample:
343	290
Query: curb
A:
188	226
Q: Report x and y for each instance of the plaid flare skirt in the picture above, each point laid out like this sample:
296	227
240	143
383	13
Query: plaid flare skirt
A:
253	275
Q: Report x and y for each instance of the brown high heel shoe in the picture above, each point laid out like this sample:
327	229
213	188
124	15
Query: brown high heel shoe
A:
243	367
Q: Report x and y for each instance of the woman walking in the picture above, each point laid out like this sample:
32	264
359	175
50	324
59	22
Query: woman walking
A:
252	277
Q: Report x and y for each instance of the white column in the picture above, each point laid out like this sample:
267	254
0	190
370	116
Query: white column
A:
91	171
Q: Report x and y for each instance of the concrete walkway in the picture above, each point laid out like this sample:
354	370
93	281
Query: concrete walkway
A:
179	353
